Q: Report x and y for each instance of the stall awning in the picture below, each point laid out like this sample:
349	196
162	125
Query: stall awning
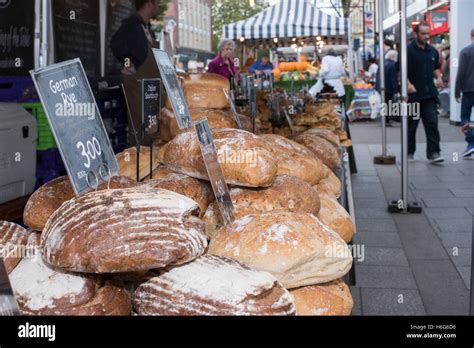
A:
287	19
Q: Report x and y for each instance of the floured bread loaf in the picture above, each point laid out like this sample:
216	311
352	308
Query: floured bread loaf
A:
295	160
214	286
336	217
326	135
127	161
330	185
123	231
296	248
286	194
333	298
246	160
205	91
321	148
198	190
215	117
14	244
49	197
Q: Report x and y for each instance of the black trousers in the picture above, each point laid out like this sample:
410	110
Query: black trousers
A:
466	110
428	113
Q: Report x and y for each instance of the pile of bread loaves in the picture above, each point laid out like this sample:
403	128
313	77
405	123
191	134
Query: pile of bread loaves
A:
159	246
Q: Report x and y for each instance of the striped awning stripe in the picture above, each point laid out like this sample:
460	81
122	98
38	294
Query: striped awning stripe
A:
287	19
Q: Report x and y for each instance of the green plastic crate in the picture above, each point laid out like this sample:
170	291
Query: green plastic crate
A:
45	135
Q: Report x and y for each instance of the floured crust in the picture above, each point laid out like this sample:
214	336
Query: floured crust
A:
321	148
330	185
328	299
14	243
246	160
296	248
336	217
326	135
123	231
213	285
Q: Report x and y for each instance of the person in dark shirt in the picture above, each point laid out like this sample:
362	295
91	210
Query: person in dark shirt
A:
132	45
465	85
261	66
423	67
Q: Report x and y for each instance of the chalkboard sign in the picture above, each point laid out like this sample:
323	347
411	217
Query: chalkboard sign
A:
233	110
173	88
17	31
214	171
76	27
150	104
8	304
117	11
76	124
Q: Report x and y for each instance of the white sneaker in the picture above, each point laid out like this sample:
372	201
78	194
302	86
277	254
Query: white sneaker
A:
411	158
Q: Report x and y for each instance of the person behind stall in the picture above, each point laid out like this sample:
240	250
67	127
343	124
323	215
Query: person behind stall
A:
261	65
423	66
132	45
371	73
391	82
223	63
332	69
465	86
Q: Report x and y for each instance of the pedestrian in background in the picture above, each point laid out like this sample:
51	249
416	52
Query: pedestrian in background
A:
224	64
423	67
465	86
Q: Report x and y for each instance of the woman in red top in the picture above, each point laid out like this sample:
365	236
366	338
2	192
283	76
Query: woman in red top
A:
223	64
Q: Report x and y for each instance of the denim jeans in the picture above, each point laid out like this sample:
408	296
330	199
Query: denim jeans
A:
466	109
429	117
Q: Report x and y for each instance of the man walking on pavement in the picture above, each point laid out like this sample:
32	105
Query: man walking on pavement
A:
465	85
423	66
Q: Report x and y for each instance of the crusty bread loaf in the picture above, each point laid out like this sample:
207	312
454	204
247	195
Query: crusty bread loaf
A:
198	190
286	194
295	247
320	109
215	286
246	159
325	134
330	185
336	217
49	197
321	148
205	91
215	117
295	159
14	244
160	172
333	298
123	231
127	161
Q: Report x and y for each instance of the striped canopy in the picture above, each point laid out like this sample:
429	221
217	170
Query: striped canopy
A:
287	19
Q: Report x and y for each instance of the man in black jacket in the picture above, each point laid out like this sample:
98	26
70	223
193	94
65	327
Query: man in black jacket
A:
465	85
423	66
132	45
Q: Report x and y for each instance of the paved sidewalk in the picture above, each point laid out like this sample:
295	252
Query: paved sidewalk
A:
414	264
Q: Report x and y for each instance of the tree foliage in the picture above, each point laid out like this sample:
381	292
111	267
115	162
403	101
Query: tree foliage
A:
229	11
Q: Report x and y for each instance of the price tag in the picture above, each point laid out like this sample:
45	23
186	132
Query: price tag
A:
235	115
173	88
76	124
150	104
8	304
252	97
214	171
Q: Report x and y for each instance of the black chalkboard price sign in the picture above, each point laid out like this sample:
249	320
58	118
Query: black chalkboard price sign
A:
76	124
8	304
151	89
173	89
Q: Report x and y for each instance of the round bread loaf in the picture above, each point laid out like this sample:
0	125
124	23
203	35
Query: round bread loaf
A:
123	231
325	134
246	160
330	185
336	217
198	190
321	148
295	247
15	242
333	298
127	161
49	197
286	194
295	160
205	91
213	285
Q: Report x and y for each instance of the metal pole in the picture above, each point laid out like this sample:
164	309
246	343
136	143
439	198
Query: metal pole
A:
44	34
382	77
404	92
